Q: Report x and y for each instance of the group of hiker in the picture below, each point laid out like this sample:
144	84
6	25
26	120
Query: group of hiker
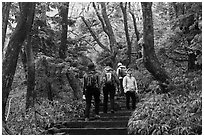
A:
110	82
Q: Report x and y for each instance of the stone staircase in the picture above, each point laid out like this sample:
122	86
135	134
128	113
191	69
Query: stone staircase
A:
107	124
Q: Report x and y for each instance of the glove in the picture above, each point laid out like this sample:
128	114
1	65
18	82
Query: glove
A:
83	97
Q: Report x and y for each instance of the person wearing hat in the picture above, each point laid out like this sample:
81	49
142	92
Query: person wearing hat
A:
91	88
130	89
121	73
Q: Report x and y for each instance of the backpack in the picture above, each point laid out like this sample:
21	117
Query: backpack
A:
122	71
92	80
109	77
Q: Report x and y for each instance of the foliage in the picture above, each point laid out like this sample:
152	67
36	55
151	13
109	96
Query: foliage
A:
180	111
45	113
177	113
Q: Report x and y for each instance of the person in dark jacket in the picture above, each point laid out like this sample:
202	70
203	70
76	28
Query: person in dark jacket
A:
91	88
109	83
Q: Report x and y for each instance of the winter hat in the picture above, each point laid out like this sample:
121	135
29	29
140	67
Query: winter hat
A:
119	64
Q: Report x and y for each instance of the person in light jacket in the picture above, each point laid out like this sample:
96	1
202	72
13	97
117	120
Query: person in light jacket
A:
130	89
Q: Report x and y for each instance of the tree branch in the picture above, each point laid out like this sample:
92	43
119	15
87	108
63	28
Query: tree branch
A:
100	18
111	35
134	22
94	35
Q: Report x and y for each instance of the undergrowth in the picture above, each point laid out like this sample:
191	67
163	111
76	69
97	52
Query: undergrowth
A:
176	113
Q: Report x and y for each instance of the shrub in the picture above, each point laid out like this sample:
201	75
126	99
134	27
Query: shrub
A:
167	115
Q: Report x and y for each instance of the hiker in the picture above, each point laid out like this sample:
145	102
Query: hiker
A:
130	89
121	73
91	88
109	83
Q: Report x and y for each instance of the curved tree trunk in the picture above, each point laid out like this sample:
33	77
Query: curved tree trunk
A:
111	35
150	59
5	15
12	52
30	97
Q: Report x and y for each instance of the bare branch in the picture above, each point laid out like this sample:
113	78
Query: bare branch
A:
94	35
100	18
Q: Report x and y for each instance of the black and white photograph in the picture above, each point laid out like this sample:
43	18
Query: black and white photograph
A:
101	68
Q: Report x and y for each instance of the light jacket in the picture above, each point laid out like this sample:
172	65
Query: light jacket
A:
130	84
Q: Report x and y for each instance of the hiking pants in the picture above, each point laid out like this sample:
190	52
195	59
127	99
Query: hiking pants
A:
88	94
133	97
108	90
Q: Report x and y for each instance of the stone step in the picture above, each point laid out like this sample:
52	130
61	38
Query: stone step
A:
89	131
105	118
93	124
122	107
115	118
117	113
108	123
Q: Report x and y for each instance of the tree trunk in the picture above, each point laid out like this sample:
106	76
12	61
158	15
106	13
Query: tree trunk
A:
30	97
64	14
5	15
150	59
74	83
129	48
111	36
134	23
12	52
24	61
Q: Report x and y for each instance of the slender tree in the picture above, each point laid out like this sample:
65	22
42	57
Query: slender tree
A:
64	14
30	62
150	59
125	21
134	22
73	81
5	15
12	52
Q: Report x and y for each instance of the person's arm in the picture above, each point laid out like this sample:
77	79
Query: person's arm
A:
125	83
84	87
135	83
117	71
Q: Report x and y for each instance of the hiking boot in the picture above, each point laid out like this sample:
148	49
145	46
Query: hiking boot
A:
86	119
